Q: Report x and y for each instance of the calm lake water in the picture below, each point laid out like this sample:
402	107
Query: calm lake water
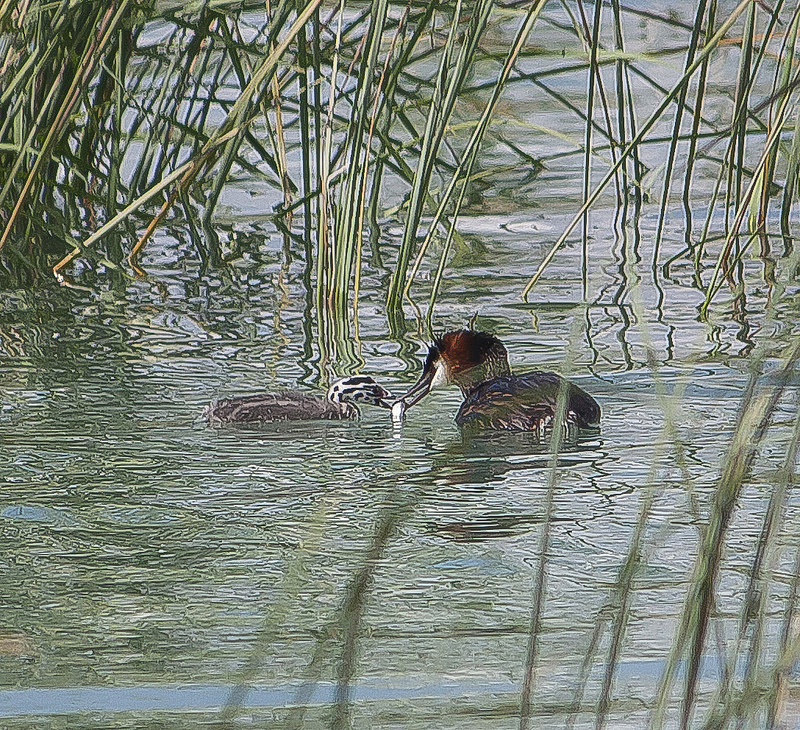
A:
150	564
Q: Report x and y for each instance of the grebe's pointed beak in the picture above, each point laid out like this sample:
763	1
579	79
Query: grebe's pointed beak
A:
419	390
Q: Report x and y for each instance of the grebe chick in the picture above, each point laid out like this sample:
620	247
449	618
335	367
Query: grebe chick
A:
494	398
294	405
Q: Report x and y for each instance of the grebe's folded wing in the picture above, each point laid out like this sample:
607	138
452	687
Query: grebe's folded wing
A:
525	403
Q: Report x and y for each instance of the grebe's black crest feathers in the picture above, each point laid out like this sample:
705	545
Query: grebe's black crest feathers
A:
434	353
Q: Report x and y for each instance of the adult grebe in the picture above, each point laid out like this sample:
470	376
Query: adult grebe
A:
293	405
494	399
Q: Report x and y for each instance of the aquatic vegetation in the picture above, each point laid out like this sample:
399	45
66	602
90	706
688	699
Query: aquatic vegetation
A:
130	117
366	133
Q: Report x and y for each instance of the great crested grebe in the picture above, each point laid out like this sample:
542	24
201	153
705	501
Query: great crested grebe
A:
494	399
293	405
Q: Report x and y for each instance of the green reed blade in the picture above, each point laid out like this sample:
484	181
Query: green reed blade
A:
732	236
789	651
324	257
594	77
755	417
350	203
108	21
648	124
755	602
427	154
453	69
698	103
540	576
737	147
305	121
240	115
694	42
463	171
792	177
782	81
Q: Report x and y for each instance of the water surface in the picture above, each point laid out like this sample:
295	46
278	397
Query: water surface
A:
150	564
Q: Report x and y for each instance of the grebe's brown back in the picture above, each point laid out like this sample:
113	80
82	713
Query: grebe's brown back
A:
293	405
494	398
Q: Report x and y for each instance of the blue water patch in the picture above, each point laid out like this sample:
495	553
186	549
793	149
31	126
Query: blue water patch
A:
32	513
27	702
481	566
211	698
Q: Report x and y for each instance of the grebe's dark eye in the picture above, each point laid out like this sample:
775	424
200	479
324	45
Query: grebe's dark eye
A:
430	360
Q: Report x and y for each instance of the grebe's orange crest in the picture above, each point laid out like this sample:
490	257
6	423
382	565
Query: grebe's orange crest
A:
494	398
463	350
464	358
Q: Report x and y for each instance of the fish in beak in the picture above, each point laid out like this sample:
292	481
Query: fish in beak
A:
434	374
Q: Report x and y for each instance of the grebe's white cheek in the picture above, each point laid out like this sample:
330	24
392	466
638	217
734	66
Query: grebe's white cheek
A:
440	378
